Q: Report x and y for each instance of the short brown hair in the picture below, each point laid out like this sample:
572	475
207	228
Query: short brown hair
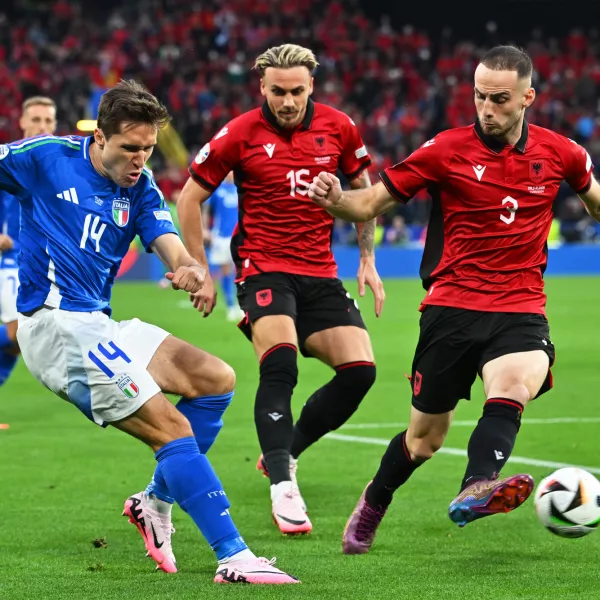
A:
129	101
38	101
508	58
286	56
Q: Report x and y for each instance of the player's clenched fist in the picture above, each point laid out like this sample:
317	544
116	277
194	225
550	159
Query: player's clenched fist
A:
325	190
188	279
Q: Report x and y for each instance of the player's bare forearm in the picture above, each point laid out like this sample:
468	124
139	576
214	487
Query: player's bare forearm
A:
591	199
190	219
171	251
363	205
365	231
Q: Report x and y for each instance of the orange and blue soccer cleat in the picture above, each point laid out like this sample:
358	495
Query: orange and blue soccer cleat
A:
489	497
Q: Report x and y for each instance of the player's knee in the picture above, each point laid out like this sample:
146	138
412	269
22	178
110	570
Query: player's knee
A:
213	379
224	379
278	366
514	390
422	449
358	378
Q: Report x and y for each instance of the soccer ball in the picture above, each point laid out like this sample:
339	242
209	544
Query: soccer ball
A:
568	502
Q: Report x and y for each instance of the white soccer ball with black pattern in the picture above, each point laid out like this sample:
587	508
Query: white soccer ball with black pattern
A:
568	502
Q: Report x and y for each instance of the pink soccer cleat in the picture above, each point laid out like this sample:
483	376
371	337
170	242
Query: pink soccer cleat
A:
262	467
288	512
256	570
361	527
155	529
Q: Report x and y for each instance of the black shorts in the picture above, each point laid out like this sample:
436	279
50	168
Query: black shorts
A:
315	303
455	344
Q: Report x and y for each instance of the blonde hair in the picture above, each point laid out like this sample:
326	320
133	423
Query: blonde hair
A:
286	56
38	101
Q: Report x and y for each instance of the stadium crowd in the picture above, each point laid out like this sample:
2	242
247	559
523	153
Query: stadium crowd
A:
400	86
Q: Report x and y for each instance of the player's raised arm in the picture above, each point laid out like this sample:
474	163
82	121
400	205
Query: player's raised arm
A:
357	205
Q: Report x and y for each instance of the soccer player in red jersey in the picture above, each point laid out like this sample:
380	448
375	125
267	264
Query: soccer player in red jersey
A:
286	273
493	185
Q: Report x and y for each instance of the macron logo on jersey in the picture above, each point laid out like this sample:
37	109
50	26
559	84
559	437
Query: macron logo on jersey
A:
479	171
69	195
269	149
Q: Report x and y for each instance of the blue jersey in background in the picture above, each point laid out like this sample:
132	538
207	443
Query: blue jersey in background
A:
223	204
10	216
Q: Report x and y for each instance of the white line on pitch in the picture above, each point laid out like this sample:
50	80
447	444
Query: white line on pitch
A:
523	460
550	421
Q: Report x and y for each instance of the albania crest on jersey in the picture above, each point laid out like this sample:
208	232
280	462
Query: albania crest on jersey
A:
120	211
536	170
320	143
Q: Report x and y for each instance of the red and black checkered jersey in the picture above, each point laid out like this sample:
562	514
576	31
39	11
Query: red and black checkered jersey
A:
492	210
279	227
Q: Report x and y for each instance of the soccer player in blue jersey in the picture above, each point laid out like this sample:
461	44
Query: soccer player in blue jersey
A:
223	207
38	117
82	202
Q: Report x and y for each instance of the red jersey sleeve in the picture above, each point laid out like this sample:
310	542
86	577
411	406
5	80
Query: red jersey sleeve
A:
354	158
578	167
419	170
216	158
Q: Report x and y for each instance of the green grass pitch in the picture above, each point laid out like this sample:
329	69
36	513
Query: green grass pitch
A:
63	480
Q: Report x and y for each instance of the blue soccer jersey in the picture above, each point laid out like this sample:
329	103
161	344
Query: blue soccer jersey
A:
10	215
224	207
76	225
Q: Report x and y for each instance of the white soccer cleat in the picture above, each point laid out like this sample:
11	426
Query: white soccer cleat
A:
255	570
288	513
155	529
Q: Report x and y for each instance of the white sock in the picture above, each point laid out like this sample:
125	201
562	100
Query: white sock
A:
279	489
160	506
244	555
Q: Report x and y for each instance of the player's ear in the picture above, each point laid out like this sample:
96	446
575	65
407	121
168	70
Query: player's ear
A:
263	89
529	97
99	138
310	87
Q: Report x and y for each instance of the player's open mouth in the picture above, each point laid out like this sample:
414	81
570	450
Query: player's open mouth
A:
133	176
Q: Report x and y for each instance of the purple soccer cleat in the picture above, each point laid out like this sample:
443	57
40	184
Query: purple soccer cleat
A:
361	527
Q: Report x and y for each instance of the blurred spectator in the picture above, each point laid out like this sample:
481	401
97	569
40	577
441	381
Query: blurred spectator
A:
400	86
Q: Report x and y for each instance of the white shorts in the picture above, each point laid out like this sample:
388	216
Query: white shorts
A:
97	364
9	286
220	251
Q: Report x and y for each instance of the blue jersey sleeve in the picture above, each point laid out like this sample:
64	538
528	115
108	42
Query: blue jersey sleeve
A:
154	218
17	169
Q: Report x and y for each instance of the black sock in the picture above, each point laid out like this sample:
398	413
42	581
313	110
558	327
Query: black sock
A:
395	469
273	411
492	440
333	404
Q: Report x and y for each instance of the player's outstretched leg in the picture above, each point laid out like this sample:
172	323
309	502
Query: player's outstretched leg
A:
190	479
490	446
208	383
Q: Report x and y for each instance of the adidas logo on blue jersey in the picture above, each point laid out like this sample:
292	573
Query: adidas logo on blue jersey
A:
69	195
